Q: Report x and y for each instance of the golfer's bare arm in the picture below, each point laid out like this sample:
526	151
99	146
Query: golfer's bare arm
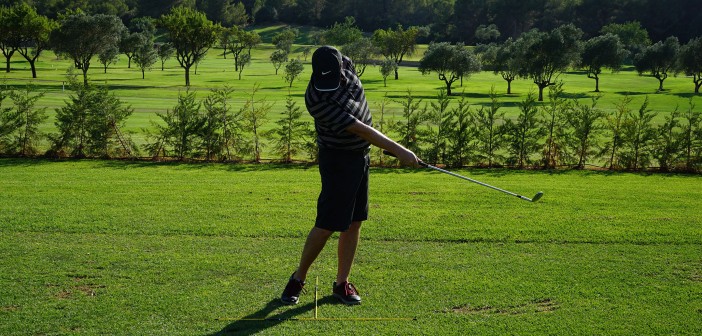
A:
376	138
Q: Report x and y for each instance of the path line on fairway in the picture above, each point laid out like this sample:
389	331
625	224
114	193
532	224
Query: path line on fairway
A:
325	319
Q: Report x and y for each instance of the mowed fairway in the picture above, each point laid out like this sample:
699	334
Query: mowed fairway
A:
111	247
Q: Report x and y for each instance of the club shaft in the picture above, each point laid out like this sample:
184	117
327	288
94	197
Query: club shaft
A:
474	181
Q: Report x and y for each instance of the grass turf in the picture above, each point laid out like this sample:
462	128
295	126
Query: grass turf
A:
96	247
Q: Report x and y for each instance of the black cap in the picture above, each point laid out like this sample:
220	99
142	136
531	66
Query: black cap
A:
326	68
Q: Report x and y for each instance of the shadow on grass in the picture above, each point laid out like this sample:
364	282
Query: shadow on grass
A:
261	320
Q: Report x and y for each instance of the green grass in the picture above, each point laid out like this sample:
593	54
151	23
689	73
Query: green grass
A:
111	247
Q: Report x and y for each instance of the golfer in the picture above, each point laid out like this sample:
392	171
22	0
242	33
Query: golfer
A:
336	101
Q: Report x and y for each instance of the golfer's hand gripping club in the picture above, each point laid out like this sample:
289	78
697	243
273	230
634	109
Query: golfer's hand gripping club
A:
533	199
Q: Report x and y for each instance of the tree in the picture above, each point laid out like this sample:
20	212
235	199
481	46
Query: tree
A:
554	119
690	61
34	31
10	121
544	55
614	123
293	70
361	52
408	126
131	43
450	62
285	39
254	118
461	140
585	126
240	41
387	66
667	146
82	37
145	57
659	59
234	14
108	57
487	33
342	33
523	135
221	129
599	52
90	124
438	120
243	60
638	135
28	119
290	133
10	36
278	58
489	128
191	34
631	34
179	130
503	59
165	51
396	44
691	137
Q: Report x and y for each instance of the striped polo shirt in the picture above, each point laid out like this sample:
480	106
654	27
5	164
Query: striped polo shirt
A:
333	111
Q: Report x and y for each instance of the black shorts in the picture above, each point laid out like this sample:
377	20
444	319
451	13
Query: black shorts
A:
344	196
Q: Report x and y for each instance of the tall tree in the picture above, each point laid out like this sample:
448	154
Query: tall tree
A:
691	137
289	135
659	59
10	36
599	52
638	134
667	146
34	31
361	52
396	44
490	132
614	123
691	61
585	126
254	119
524	134
285	39
191	34
503	59
28	133
547	54
342	33
82	37
293	70
554	120
450	62
631	34
278	58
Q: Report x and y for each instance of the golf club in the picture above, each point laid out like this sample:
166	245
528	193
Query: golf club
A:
533	199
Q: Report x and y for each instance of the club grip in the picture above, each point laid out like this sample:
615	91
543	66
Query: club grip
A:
388	153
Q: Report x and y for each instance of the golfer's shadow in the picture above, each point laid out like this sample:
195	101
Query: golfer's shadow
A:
262	320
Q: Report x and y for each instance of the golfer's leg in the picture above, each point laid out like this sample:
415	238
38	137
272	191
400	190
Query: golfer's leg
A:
313	246
348	241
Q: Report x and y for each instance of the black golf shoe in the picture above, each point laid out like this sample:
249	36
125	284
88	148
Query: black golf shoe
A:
291	294
346	292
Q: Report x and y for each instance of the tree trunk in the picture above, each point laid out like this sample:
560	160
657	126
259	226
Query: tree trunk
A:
448	88
597	84
34	69
660	84
187	76
509	87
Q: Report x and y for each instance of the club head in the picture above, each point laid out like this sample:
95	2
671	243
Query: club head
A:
537	196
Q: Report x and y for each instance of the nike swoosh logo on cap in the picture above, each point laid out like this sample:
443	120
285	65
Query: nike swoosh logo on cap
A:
325	73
